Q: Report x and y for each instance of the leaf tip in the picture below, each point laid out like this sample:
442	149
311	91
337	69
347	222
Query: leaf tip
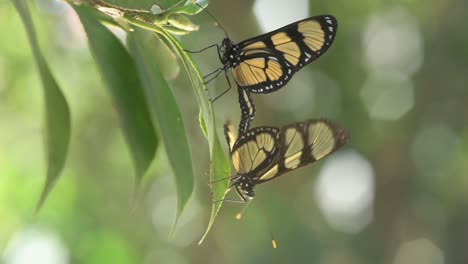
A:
45	192
136	196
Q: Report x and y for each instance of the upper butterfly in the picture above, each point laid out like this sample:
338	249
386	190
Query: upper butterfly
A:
264	153
265	63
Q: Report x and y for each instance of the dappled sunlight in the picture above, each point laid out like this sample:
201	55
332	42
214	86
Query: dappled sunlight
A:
436	150
419	251
388	97
271	15
345	191
392	42
36	245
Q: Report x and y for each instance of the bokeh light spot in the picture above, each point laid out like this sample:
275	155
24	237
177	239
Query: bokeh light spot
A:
419	251
345	191
435	150
271	13
52	7
388	97
393	42
35	245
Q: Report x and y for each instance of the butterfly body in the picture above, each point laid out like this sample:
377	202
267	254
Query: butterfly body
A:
245	186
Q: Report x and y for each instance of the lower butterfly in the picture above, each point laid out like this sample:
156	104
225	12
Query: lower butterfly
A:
264	153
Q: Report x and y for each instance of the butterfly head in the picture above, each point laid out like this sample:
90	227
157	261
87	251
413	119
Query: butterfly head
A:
227	50
245	186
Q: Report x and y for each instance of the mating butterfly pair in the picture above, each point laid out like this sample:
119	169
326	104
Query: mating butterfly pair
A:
264	64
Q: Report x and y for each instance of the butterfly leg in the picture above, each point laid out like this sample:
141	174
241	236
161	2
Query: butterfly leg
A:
211	73
223	179
216	73
243	199
230	200
227	90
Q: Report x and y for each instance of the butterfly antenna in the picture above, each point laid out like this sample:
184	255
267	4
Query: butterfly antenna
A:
212	17
241	213
273	240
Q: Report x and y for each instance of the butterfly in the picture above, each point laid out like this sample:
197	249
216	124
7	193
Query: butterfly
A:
264	153
265	63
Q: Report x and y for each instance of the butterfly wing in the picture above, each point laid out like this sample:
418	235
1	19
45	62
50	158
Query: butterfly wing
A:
303	143
268	61
253	151
231	135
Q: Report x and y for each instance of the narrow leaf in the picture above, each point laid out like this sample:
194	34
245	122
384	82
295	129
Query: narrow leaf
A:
164	112
219	164
218	171
57	112
121	77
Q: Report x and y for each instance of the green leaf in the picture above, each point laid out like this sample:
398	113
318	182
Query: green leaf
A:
202	124
219	170
168	62
121	77
57	112
165	113
219	164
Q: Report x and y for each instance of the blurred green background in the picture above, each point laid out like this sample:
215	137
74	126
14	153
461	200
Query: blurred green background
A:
395	77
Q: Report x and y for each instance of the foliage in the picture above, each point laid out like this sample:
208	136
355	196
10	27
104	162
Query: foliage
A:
142	97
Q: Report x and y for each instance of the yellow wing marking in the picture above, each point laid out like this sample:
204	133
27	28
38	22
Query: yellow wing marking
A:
242	159
231	135
250	72
259	158
291	52
270	173
255	45
293	140
252	154
255	52
291	162
274	70
259	63
280	38
322	140
265	141
314	36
